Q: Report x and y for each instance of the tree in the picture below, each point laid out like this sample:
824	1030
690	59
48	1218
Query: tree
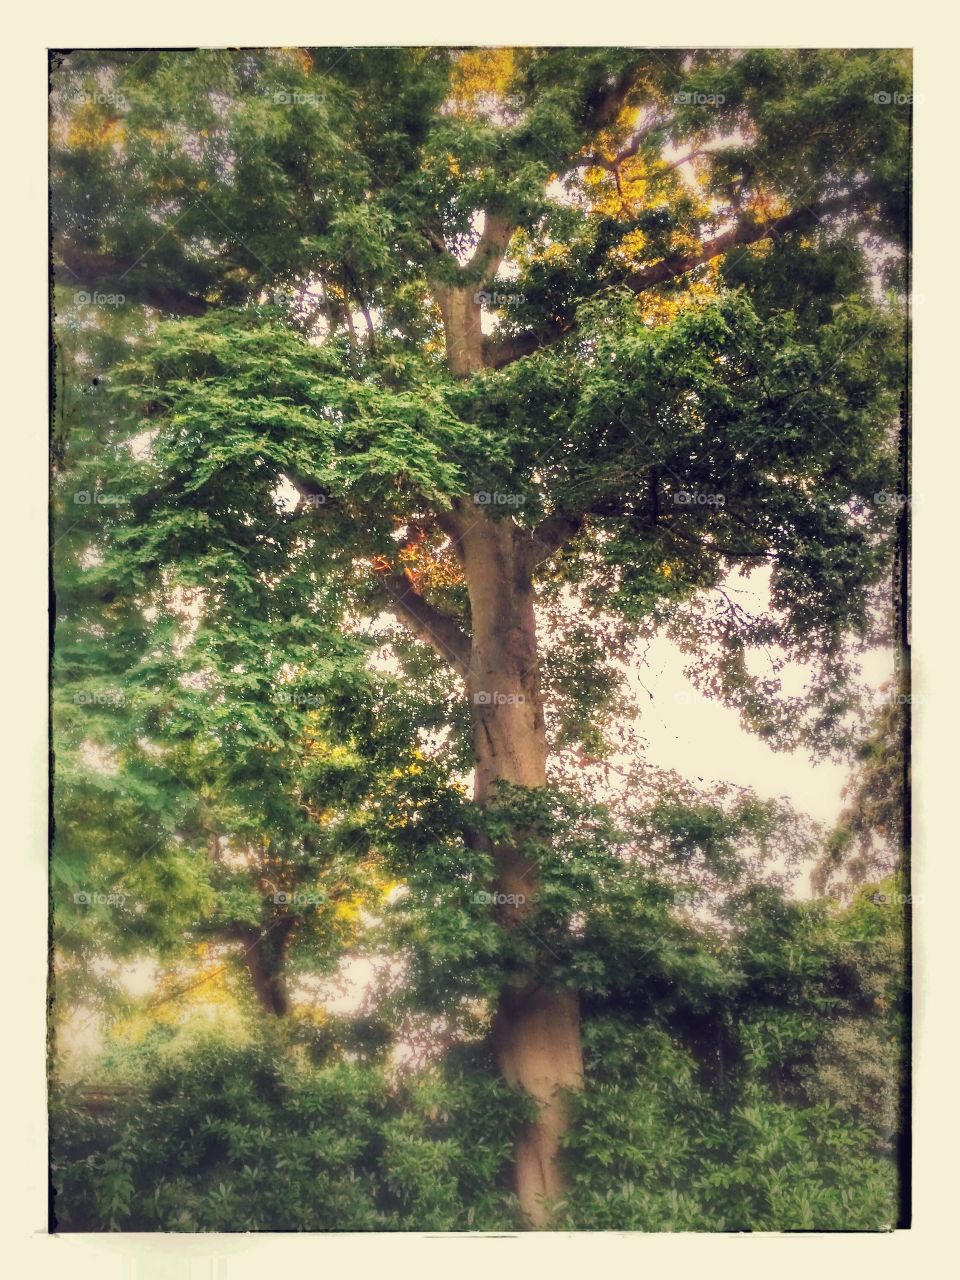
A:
210	785
868	839
580	330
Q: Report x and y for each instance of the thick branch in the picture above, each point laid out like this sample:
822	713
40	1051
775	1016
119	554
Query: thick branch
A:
491	246
746	231
437	629
99	272
497	353
460	303
553	533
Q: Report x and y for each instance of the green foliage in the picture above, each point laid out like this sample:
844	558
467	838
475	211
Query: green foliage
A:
660	1153
769	1103
253	1135
713	1110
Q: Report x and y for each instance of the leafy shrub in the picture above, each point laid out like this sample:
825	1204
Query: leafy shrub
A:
653	1149
228	1136
751	1085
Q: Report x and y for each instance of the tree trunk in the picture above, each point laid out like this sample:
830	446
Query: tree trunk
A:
460	310
536	1029
265	954
536	1039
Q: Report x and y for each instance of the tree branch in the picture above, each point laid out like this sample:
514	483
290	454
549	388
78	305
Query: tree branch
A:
362	303
95	272
492	245
595	161
607	106
553	533
499	352
429	624
737	553
746	231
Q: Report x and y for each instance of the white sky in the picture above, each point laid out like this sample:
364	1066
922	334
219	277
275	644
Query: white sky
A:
699	738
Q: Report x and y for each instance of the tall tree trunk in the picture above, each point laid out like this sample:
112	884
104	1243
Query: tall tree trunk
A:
536	1029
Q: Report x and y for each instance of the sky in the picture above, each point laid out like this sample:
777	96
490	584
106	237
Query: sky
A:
699	738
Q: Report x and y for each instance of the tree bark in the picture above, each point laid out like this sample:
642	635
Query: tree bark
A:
536	1029
265	955
536	1040
460	310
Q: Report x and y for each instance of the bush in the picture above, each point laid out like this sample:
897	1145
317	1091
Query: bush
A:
225	1136
654	1148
